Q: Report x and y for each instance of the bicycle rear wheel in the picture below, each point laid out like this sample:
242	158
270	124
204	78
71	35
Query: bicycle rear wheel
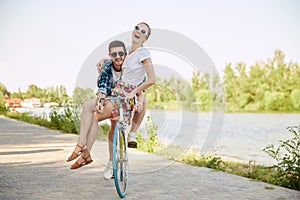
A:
120	161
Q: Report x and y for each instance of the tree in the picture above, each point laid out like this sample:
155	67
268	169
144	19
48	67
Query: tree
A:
3	89
2	102
229	81
80	95
295	96
204	98
32	91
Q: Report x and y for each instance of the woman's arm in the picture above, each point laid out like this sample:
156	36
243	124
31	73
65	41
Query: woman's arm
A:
151	79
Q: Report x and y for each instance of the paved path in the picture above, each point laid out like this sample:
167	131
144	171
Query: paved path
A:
33	166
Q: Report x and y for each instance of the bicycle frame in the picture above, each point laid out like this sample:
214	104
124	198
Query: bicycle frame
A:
120	156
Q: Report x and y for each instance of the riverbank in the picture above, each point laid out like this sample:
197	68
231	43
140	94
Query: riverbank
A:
233	136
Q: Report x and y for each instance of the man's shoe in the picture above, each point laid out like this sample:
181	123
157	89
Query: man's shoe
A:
108	172
131	140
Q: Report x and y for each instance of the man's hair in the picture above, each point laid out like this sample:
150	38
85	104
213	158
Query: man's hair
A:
116	43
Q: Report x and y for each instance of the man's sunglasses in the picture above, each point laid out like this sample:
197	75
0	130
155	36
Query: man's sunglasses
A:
143	31
115	54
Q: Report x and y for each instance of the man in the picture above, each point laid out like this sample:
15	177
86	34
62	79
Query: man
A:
89	116
110	74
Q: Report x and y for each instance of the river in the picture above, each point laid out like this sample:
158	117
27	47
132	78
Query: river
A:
233	136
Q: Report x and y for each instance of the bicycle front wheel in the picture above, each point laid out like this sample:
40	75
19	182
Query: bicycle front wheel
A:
120	161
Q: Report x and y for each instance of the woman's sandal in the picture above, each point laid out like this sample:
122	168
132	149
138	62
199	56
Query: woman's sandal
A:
77	151
87	160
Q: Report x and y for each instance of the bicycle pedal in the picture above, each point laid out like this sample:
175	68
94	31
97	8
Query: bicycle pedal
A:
132	145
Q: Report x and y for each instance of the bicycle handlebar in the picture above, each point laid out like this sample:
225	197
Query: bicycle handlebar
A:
113	98
110	98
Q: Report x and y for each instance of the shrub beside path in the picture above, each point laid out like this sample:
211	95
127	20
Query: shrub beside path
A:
33	166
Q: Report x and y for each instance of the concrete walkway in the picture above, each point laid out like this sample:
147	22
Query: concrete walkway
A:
33	166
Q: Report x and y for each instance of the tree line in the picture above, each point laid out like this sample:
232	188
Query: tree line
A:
266	86
272	85
56	94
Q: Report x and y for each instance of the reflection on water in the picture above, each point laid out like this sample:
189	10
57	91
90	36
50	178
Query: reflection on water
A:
44	112
242	135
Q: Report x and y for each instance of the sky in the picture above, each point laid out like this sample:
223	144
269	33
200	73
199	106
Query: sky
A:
46	42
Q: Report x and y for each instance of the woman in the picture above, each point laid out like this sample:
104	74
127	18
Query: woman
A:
136	66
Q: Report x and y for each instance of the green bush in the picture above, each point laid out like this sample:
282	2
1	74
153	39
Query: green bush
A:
103	131
66	121
150	143
287	155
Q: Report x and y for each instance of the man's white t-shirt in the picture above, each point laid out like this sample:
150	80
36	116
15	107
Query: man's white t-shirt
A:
133	69
116	75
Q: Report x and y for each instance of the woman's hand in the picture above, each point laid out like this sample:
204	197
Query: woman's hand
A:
100	64
139	106
130	96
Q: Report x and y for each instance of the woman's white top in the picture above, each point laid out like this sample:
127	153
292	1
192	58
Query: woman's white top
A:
133	70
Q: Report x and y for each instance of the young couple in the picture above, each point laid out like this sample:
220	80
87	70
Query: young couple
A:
118	76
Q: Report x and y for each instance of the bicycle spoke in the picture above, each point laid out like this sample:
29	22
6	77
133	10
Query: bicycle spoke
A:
120	162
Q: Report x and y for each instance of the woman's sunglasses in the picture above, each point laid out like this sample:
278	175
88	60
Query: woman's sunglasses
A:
143	31
115	54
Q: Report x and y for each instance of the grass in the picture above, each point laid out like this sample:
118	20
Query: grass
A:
192	157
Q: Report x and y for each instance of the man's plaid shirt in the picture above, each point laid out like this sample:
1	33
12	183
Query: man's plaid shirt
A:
105	79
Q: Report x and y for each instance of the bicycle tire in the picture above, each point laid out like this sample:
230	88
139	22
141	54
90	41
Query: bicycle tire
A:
120	161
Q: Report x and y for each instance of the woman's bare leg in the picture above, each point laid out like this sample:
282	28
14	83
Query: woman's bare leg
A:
138	117
92	133
88	110
88	134
86	121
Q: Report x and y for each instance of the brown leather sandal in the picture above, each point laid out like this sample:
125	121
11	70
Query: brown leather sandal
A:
77	151
87	160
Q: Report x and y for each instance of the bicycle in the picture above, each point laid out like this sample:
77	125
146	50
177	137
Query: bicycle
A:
120	154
